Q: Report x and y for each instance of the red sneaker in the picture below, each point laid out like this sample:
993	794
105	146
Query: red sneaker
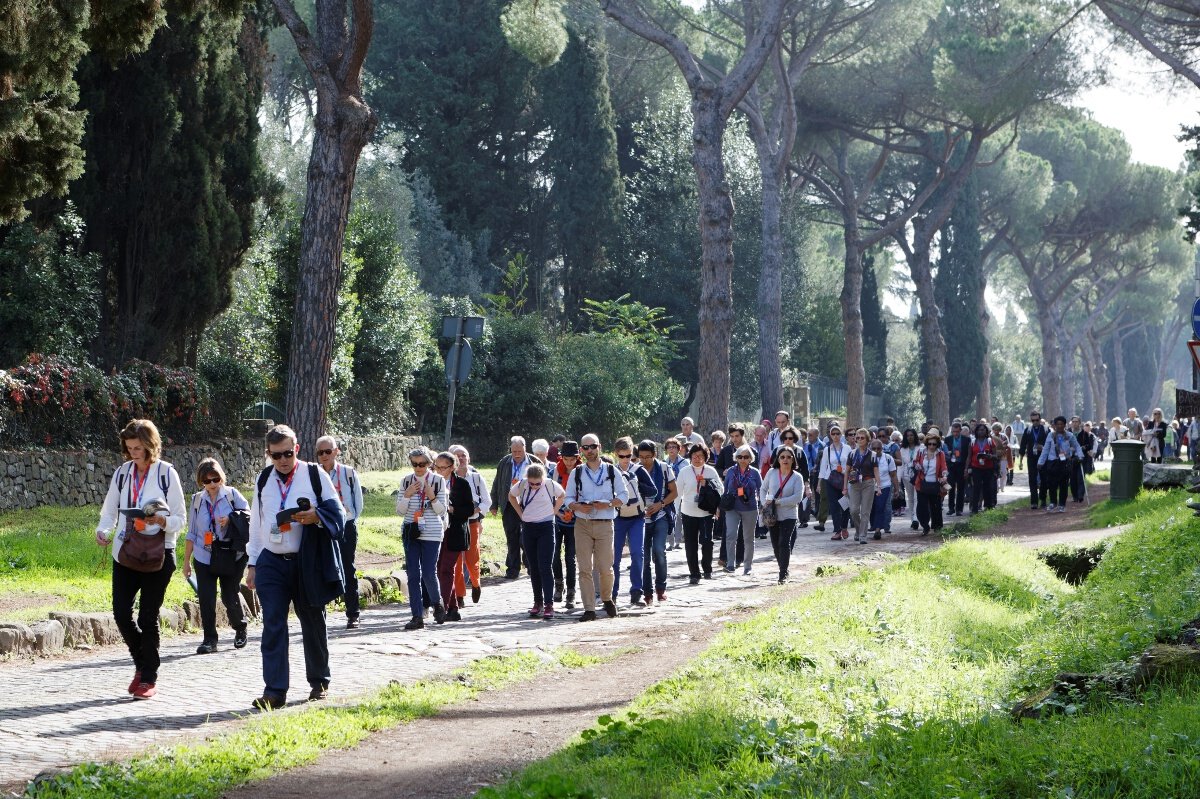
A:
535	611
137	678
662	596
145	690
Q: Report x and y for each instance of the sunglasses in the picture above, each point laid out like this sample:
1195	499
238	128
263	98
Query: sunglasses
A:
834	433
323	452
589	446
625	457
280	455
743	457
208	481
420	465
788	438
538	484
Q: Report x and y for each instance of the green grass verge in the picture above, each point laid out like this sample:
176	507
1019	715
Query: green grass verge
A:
49	560
1110	514
274	742
897	684
980	522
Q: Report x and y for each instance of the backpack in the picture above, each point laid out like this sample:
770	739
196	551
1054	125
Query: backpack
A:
612	480
164	480
314	477
636	506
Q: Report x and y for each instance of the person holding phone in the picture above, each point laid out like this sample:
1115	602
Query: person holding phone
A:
141	480
296	521
422	501
207	525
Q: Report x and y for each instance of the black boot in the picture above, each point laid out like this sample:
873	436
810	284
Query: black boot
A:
558	591
570	599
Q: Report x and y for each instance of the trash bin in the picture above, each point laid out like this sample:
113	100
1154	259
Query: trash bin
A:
1126	476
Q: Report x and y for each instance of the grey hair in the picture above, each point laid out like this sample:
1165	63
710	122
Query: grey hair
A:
744	449
540	445
421	452
517	440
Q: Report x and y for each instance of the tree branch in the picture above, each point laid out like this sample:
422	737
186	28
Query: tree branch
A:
349	73
636	23
310	53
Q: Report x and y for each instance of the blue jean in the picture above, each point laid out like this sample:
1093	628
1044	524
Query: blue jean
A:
539	553
277	581
839	515
881	510
632	530
420	564
654	548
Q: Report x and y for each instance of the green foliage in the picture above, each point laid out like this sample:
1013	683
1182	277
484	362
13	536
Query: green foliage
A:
171	232
1111	514
536	29
650	328
48	290
514	291
234	385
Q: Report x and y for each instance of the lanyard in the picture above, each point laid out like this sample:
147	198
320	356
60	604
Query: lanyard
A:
837	456
740	479
529	495
598	478
212	513
699	474
337	480
135	486
859	456
285	488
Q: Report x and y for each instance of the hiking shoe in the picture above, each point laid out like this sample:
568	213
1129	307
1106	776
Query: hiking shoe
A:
416	623
475	593
708	575
662	596
558	591
268	702
862	541
548	612
144	690
206	648
845	534
453	615
239	637
588	615
878	536
439	614
1062	509
535	611
610	608
1052	508
137	679
820	528
693	581
837	536
318	693
916	526
462	602
352	623
570	600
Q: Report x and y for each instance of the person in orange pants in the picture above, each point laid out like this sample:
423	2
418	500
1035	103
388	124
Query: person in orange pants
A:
468	562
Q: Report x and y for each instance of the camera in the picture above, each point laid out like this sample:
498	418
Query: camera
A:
303	503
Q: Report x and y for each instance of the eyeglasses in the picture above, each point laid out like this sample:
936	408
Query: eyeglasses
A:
208	481
625	457
788	438
417	465
323	452
538	484
279	455
589	446
743	457
834	433
443	466
787	455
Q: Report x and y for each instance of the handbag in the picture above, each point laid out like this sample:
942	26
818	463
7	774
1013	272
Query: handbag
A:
458	537
142	553
410	532
225	560
728	500
836	481
710	498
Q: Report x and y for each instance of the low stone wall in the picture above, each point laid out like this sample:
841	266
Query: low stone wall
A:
49	477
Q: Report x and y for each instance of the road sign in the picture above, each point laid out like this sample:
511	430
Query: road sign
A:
1194	348
458	362
1196	320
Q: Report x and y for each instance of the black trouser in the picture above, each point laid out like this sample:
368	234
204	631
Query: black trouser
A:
983	489
564	539
1056	478
783	535
1077	478
349	545
512	536
1037	487
141	637
698	544
206	595
958	488
929	510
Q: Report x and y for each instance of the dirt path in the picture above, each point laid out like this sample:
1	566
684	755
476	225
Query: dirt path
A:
435	758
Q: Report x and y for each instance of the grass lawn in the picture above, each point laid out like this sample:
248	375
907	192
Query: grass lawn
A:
1111	514
274	742
898	683
49	559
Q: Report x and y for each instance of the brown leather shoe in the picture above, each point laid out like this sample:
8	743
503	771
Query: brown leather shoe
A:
268	702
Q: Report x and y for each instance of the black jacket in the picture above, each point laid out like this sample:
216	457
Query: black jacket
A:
503	481
321	575
1032	440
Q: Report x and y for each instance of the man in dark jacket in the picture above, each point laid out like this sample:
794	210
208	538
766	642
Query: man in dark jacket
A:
1032	441
509	472
957	446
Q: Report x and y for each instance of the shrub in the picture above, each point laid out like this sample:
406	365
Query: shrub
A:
233	385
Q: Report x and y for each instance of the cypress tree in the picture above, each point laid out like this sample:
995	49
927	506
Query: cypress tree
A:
587	193
172	175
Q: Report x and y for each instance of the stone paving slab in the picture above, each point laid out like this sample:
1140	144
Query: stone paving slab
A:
55	713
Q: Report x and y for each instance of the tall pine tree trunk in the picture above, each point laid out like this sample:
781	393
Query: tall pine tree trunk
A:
716	268
770	290
852	321
937	371
1098	372
985	376
1050	377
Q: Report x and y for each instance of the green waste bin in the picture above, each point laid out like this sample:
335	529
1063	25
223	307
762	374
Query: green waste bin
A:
1126	476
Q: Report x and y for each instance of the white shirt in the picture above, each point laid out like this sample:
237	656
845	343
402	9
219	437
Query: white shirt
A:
280	495
538	503
348	488
887	465
833	457
483	497
115	499
689	486
586	486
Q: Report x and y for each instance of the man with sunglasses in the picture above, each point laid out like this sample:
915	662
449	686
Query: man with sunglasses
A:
1033	440
594	492
349	490
296	520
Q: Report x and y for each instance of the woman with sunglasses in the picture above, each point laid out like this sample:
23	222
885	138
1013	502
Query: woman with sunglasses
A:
785	488
208	527
697	522
537	500
862	484
460	506
835	463
910	447
742	487
422	501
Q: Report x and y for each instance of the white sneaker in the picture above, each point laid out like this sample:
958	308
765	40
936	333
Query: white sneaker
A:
1062	509
1051	508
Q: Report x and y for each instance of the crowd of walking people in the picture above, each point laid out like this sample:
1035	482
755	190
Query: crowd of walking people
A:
571	515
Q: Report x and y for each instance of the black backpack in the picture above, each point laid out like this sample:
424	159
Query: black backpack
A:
612	480
164	480
314	477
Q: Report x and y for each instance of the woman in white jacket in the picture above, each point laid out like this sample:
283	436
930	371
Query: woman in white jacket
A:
143	481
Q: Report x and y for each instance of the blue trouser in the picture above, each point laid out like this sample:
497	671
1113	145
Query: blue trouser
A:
539	554
277	581
881	510
420	564
839	515
632	530
654	548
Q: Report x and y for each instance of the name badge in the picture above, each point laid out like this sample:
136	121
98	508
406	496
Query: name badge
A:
276	536
208	538
1062	457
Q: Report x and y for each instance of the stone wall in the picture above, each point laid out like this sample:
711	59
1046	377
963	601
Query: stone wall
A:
51	477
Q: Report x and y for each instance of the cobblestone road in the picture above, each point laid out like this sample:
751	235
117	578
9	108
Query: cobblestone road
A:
58	712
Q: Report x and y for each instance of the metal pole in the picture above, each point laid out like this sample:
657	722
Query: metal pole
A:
452	369
450	411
